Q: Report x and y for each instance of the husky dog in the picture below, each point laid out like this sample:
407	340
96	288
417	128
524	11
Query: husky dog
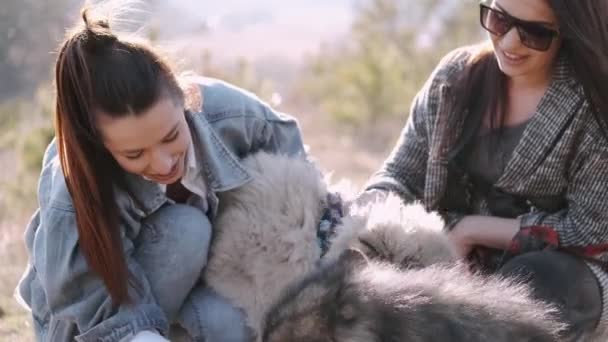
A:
388	230
354	300
266	238
265	233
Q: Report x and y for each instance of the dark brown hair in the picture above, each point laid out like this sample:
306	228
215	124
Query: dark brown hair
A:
97	71
481	88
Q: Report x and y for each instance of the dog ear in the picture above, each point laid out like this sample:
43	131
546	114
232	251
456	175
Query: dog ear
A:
353	258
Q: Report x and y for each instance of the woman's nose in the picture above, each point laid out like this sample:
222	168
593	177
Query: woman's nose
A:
161	163
511	40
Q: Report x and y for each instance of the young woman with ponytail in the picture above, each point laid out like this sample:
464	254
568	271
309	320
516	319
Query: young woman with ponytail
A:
508	140
127	194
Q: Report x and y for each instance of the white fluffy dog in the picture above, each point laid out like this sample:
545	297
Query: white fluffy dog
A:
388	230
266	233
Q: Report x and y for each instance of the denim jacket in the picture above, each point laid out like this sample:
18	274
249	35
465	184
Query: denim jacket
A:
66	299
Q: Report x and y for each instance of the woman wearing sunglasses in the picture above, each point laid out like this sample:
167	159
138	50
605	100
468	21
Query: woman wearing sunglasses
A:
508	141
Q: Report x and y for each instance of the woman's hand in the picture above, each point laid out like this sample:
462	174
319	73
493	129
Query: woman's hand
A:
487	231
460	239
365	199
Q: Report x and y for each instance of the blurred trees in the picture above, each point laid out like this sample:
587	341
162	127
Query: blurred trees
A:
365	81
241	73
23	140
391	49
29	32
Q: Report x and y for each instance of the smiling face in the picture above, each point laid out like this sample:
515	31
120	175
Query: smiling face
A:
152	144
516	59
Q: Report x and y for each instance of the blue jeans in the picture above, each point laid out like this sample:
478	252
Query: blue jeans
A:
172	249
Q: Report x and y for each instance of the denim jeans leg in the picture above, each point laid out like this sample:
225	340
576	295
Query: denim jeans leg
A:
208	317
172	249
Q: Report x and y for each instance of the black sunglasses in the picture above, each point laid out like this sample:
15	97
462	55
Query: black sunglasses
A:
531	34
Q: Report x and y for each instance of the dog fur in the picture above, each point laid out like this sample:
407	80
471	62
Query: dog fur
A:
388	230
265	238
265	233
353	300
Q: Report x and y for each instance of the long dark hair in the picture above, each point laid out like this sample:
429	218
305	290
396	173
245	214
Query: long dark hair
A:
482	87
584	26
97	71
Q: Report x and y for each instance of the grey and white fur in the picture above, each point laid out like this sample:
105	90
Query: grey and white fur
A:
265	233
388	230
265	238
355	300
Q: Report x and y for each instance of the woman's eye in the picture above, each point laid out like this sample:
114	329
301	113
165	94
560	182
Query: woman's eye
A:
134	156
172	138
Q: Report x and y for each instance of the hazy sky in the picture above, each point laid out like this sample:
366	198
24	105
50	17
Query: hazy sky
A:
255	28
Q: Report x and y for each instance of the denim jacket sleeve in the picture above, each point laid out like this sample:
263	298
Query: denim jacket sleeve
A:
280	133
247	124
61	290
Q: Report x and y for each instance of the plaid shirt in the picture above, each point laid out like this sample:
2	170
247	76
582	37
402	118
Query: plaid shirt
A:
560	167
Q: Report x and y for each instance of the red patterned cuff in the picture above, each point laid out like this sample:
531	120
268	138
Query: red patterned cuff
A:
534	238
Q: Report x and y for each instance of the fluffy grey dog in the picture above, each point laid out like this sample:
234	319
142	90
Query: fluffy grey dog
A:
265	233
388	230
265	238
354	300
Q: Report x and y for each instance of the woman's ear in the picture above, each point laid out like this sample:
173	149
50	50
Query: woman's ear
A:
193	96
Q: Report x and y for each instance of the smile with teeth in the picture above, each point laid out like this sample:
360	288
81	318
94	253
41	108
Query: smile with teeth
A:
513	57
169	175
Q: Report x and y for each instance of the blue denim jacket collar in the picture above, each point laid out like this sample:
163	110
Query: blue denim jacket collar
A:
218	168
